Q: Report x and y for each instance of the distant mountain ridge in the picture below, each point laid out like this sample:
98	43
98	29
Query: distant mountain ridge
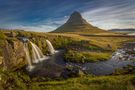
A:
123	30
76	23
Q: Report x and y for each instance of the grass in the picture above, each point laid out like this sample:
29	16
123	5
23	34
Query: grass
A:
86	48
62	39
21	81
94	49
2	36
81	57
102	42
2	42
91	83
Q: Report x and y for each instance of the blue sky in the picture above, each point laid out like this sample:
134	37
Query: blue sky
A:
47	15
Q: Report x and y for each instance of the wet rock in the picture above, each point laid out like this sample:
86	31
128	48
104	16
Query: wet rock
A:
47	69
72	71
124	54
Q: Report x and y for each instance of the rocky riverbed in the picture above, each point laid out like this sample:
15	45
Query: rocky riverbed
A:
121	58
55	66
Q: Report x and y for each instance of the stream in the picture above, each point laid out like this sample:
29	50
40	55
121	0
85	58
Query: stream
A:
121	58
55	63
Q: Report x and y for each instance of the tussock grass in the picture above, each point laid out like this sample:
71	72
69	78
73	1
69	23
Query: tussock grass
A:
81	57
91	83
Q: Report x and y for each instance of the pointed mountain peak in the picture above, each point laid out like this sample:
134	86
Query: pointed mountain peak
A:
76	14
76	18
76	23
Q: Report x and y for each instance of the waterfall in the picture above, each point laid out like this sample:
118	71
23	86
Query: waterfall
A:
40	52
30	67
37	54
35	50
50	47
34	56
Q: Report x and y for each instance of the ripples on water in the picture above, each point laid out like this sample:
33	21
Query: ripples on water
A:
119	60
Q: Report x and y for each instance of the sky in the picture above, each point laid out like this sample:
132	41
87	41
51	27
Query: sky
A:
47	15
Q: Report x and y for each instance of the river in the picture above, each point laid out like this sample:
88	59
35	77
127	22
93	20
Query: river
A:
55	64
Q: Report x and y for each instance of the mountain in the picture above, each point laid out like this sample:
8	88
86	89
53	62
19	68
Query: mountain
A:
123	30
76	23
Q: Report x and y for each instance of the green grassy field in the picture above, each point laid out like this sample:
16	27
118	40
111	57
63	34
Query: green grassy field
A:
78	49
81	57
88	48
91	83
20	81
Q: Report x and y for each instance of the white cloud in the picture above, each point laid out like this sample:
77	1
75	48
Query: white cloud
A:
118	16
105	14
43	26
39	28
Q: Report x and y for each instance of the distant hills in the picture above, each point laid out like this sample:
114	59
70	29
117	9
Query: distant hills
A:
123	30
76	23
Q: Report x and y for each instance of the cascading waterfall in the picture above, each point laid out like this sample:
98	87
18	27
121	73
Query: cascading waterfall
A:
35	50
30	66
50	47
34	56
37	54
42	56
40	52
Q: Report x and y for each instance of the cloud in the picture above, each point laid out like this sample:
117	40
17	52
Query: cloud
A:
108	17
39	28
43	26
47	15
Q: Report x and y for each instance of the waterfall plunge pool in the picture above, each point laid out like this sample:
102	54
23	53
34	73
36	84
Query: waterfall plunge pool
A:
55	64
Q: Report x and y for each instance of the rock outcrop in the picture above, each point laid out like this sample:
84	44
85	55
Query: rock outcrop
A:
13	55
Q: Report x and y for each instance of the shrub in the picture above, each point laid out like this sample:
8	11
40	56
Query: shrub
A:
2	36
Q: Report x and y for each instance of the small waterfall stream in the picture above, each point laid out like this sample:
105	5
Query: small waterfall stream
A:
30	66
121	58
37	55
35	52
50	47
34	55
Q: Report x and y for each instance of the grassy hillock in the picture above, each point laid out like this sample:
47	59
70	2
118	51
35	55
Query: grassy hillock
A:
81	57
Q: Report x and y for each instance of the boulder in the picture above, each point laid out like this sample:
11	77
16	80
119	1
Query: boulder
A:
72	71
14	55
